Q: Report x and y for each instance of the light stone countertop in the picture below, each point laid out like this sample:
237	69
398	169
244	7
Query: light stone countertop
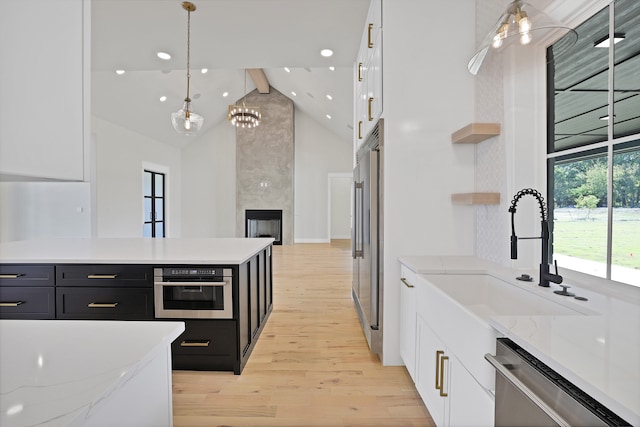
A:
598	350
62	372
132	250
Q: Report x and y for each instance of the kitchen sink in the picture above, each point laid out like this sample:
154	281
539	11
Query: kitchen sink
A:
485	296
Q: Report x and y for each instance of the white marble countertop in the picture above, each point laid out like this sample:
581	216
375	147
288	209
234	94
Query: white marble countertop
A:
54	372
133	250
598	350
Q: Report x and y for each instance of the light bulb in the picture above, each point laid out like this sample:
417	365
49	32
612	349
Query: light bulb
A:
525	38
497	41
187	123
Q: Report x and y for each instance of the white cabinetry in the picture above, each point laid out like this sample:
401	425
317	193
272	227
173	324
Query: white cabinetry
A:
368	74
453	396
42	81
408	313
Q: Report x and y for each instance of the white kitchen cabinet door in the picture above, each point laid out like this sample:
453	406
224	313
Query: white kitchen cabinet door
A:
42	72
429	365
408	319
470	405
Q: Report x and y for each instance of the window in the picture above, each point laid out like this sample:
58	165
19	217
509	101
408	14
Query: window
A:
154	204
594	145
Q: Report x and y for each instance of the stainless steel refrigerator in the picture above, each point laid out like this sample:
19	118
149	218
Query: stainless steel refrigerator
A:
366	236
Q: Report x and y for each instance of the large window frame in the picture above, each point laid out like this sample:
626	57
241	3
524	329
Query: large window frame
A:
597	145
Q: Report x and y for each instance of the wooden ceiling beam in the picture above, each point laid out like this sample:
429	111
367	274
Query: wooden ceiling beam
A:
259	79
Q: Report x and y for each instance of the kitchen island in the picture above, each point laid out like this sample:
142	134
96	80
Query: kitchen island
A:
79	373
128	279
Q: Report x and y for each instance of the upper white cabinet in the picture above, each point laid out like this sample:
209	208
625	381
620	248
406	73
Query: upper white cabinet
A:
368	74
42	81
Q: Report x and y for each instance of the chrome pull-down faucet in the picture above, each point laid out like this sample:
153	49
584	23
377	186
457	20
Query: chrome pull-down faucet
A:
545	275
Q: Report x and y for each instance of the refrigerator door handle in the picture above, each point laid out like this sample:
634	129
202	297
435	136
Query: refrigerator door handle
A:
357	250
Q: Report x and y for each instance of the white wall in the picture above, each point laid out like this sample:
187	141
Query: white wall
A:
37	210
209	184
318	152
428	94
120	158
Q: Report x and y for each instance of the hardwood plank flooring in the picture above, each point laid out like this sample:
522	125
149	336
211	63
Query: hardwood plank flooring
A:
311	365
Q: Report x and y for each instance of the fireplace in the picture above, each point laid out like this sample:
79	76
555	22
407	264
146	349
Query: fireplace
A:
264	223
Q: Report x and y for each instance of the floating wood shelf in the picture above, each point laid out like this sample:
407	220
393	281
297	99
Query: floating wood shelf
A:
476	198
475	133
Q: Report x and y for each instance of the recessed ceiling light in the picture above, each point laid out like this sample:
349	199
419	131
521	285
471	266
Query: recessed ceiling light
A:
119	72
293	93
204	70
309	95
225	94
328	117
196	96
605	42
163	98
164	55
287	69
606	117
329	97
326	52
332	68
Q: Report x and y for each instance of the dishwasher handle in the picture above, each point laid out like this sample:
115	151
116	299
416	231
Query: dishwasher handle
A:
502	370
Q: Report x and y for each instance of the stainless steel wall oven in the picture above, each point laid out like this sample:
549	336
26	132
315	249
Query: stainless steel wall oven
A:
193	292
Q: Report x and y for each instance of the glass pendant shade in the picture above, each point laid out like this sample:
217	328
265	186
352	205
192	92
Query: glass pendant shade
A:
520	24
185	121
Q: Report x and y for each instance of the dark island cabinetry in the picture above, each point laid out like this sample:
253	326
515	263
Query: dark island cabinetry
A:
112	291
27	291
104	292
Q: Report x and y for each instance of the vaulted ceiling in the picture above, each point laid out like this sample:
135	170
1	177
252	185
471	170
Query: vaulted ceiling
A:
227	36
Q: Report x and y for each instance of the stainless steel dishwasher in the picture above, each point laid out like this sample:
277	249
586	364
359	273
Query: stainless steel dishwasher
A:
529	393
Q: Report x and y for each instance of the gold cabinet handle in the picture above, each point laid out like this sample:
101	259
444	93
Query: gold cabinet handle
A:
369	108
439	353
369	40
102	304
195	343
359	129
102	276
406	282
11	304
359	71
442	360
10	276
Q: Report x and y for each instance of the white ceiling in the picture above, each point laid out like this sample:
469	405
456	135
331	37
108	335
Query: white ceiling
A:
226	37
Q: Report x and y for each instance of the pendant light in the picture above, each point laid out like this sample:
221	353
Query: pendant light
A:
242	116
185	120
520	24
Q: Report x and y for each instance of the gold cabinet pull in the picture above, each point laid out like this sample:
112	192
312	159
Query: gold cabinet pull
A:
359	71
359	129
369	40
439	353
102	276
10	276
369	108
11	304
406	282
102	304
195	343
442	360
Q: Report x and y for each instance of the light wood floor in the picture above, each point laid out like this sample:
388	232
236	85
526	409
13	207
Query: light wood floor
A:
311	365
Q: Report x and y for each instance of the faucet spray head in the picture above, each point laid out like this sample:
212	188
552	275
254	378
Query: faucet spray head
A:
514	246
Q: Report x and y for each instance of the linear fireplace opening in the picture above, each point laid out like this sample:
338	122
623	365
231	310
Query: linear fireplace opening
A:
263	223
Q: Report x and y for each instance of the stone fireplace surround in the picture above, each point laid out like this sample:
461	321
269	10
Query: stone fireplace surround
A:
265	162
